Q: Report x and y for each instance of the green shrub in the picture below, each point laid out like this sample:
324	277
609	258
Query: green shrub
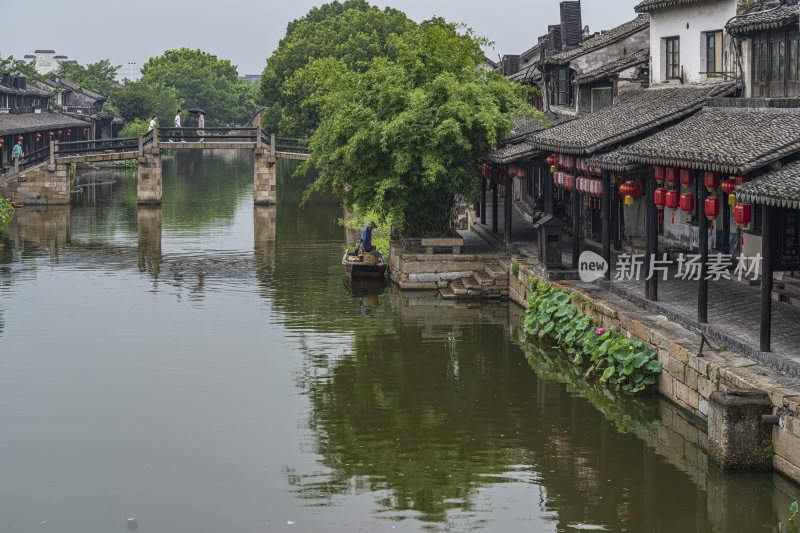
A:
629	365
6	213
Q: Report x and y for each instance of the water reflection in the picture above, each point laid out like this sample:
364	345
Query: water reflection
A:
189	360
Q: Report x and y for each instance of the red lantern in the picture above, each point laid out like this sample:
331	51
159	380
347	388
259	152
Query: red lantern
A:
1	143
727	187
38	137
712	208
660	198
659	174
69	132
671	175
50	133
551	160
686	177
687	203
569	182
672	199
568	161
742	179
741	213
629	190
60	132
521	172
85	131
711	180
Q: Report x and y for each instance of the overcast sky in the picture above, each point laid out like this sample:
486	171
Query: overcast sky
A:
247	31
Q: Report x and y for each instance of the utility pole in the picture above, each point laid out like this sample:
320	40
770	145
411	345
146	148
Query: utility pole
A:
130	66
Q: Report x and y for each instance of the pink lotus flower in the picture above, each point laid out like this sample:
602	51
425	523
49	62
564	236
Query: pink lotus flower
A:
599	331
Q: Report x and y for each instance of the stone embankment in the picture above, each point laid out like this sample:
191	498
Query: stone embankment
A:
724	390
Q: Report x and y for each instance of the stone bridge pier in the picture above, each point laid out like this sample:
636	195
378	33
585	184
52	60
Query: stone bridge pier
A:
265	183
149	182
46	184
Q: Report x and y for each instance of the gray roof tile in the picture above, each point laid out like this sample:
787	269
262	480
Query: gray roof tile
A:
639	57
779	188
731	140
631	116
650	5
769	17
605	38
27	122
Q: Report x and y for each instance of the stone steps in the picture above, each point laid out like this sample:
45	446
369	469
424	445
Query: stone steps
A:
496	272
458	289
447	294
471	284
482	278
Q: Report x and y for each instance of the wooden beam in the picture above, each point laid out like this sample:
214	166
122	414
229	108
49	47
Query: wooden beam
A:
495	215
507	205
702	291
605	213
765	333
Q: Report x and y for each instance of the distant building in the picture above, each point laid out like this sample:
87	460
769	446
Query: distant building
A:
251	78
46	61
84	104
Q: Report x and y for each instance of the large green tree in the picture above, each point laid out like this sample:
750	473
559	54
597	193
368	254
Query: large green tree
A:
141	100
203	80
405	137
353	32
97	77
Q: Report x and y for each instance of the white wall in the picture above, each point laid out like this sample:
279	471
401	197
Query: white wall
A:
46	63
672	22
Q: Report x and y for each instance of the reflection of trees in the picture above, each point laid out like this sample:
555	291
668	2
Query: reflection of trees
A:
433	409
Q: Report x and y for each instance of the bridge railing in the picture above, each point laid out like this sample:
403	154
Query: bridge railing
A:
228	134
34	158
119	144
286	144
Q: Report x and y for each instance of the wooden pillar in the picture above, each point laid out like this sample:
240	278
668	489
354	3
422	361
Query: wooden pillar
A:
726	224
766	279
605	213
576	226
702	291
494	207
507	206
651	237
483	200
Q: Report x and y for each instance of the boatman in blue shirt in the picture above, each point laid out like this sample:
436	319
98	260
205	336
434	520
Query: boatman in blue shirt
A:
366	237
17	154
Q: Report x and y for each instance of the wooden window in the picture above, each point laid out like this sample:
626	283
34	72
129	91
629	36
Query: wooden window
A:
673	45
601	97
773	61
764	62
713	52
563	87
781	61
793	60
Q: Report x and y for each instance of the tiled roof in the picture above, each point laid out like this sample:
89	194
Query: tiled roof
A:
604	39
779	188
731	140
517	146
650	5
613	161
526	74
639	57
60	82
26	122
512	152
770	17
632	115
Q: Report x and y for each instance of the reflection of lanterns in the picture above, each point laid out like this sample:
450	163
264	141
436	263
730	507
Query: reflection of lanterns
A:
629	190
687	203
711	180
712	208
741	213
727	187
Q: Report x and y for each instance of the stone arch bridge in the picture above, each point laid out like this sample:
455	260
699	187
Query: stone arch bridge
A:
44	175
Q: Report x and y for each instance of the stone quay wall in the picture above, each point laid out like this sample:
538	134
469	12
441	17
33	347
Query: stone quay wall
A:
690	379
45	184
454	276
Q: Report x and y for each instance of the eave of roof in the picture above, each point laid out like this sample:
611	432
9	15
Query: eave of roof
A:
641	56
28	122
631	116
771	18
735	141
780	188
645	6
606	38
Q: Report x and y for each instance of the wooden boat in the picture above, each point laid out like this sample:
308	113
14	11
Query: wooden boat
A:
354	267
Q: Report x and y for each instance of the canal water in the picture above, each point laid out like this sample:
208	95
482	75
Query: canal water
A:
202	366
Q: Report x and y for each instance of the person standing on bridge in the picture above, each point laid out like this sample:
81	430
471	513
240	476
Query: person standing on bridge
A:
178	126
152	123
17	154
201	124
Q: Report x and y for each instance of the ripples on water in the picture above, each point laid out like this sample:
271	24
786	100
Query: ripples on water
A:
203	367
